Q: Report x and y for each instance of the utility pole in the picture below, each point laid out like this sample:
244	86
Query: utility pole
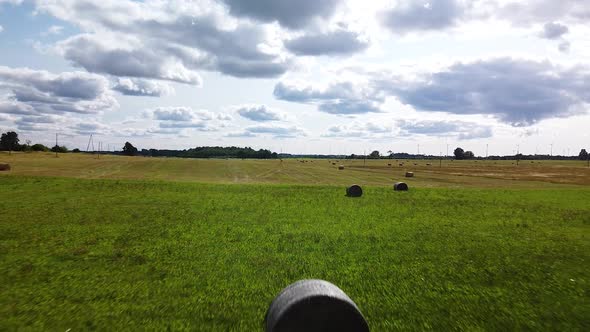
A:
486	151
365	158
551	153
56	146
517	154
447	155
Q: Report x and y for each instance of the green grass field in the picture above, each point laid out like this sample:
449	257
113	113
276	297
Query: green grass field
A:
152	244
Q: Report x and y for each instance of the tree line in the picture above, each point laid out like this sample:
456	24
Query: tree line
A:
9	141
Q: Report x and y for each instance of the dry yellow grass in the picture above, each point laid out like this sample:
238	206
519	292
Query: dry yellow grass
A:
290	171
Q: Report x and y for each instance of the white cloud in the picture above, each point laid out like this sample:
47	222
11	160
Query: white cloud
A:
53	30
260	113
42	92
142	87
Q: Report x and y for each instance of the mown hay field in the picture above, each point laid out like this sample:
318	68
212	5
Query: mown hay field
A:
133	245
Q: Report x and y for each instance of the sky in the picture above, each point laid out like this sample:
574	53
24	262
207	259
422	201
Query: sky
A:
315	77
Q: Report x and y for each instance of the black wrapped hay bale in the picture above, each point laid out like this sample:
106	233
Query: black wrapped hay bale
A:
313	305
354	191
400	186
4	167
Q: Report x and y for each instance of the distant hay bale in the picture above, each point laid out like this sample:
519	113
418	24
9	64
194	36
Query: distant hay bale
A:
401	164
428	164
409	174
354	191
389	165
4	167
334	164
341	167
400	186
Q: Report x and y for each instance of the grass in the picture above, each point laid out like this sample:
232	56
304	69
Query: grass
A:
459	174
113	254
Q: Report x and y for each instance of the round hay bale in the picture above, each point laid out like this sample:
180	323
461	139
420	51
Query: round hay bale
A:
401	165
4	167
354	191
389	165
341	167
313	305
400	186
334	164
409	174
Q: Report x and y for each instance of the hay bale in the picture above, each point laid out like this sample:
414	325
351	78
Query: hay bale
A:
4	167
341	167
409	174
313	305
389	165
428	164
400	186
354	191
334	164
401	165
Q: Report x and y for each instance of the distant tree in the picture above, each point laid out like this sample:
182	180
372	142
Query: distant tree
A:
9	141
459	153
60	149
76	150
468	155
389	153
39	147
374	155
129	149
583	154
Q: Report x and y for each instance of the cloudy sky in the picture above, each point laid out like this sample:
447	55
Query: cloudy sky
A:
305	76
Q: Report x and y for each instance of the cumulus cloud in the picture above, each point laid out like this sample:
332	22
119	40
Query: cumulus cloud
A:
41	92
180	114
410	15
564	46
97	55
435	15
186	118
290	14
260	113
517	92
153	39
345	98
90	127
338	42
529	12
461	129
142	87
553	30
360	130
53	30
274	130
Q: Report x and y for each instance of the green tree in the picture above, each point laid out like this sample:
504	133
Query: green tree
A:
60	149
9	141
374	155
583	154
459	153
468	155
39	147
129	149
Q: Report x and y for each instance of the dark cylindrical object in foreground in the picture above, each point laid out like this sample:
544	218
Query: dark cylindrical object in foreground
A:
314	305
354	191
400	186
